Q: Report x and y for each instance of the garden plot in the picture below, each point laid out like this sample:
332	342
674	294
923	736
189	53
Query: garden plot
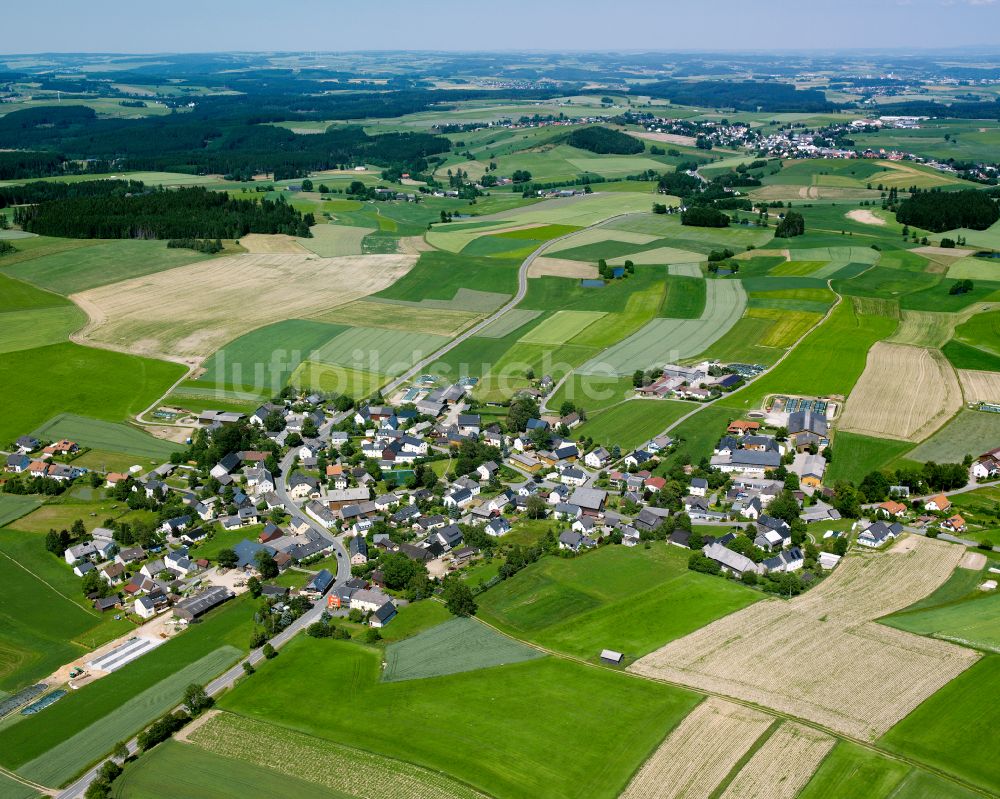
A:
783	765
193	310
339	768
905	393
700	752
980	386
663	340
457	645
814	656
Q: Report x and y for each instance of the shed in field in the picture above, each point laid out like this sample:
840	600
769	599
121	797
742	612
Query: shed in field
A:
611	657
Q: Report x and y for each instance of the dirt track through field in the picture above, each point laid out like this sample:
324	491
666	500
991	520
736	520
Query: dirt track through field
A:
191	311
700	752
821	656
905	393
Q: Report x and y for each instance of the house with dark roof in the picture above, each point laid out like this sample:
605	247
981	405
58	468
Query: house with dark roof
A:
358	548
879	533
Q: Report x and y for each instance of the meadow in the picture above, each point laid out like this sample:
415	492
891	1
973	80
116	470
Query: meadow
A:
548	699
627	599
106	436
973	620
378	351
265	358
63	761
32	736
195	773
856	455
969	433
14	506
633	422
68	378
439	276
455	646
953	729
828	361
326	377
101	263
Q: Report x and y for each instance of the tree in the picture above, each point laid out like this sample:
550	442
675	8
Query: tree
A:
56	543
227	558
535	507
254	586
372	636
120	752
784	506
196	699
458	598
269	652
307	185
792	225
521	410
248	668
266	564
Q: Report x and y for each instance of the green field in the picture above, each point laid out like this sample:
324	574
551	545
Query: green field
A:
377	350
969	433
685	297
31	317
59	764
963	356
14	506
33	736
98	263
953	730
336	379
973	621
450	648
981	331
194	773
439	275
629	424
855	455
592	392
109	436
68	378
828	361
561	327
632	600
665	340
265	358
606	723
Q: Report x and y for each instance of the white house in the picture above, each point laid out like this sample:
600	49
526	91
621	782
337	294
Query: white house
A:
597	458
144	607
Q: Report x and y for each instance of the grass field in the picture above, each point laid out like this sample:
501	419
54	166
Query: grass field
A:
329	241
852	770
393	316
685	297
64	761
377	350
67	378
592	392
33	736
632	423
630	600
964	356
14	506
971	432
195	773
337	379
450	648
549	699
856	455
109	436
973	620
561	327
828	361
23	330
785	328
439	275
99	263
953	729
263	359
664	340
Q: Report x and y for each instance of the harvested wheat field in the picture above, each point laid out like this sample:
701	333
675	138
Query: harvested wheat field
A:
783	765
814	656
193	310
562	267
865	217
700	752
980	386
905	393
668	138
257	243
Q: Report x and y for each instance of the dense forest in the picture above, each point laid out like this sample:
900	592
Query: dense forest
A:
603	140
46	191
939	211
744	96
191	213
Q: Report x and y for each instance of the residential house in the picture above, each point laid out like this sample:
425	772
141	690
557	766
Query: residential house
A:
891	510
699	486
789	560
487	470
590	500
879	533
358	548
573	476
497	527
939	503
448	537
730	562
259	481
597	458
954	524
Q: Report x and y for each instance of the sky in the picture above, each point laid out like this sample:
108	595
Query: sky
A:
141	26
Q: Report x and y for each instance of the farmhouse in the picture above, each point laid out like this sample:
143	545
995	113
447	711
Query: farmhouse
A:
789	560
891	510
589	500
809	468
731	562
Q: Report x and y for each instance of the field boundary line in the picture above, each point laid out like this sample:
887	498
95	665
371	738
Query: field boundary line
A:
49	585
777	714
12	775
